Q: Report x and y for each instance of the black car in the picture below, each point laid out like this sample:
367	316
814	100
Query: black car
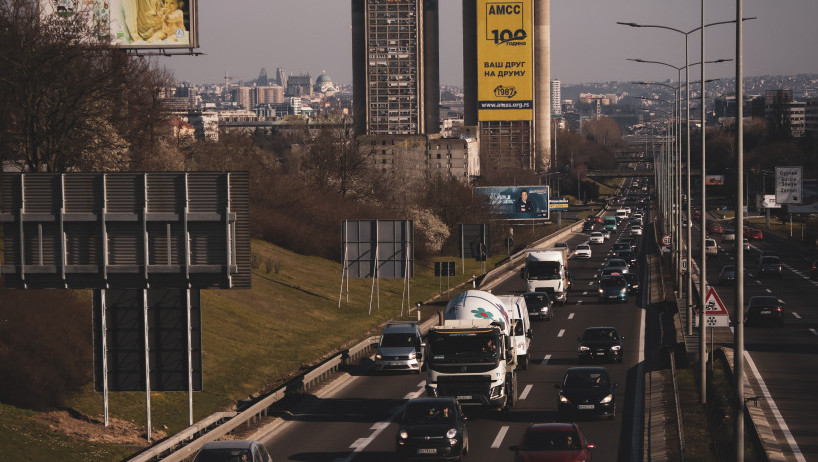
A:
539	305
588	226
813	270
633	282
621	247
727	275
765	309
569	281
633	242
586	392
627	255
432	428
769	266
600	344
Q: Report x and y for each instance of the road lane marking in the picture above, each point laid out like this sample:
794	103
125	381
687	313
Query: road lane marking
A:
813	331
545	360
526	391
585	293
781	424
571	316
758	282
579	302
561	333
796	315
591	282
769	291
500	435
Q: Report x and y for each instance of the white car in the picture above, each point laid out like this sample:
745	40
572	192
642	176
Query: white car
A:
636	230
582	251
596	238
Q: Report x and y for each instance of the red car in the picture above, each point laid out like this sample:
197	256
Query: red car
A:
554	442
715	228
753	233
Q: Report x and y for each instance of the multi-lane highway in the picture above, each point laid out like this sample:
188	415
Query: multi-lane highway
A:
354	418
785	357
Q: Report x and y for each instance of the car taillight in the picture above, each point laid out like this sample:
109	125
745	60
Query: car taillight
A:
779	309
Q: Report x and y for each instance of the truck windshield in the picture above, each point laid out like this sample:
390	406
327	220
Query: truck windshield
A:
457	348
543	270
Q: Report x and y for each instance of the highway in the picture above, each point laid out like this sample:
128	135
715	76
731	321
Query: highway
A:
785	357
353	419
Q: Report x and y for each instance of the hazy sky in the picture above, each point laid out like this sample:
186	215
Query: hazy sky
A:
308	36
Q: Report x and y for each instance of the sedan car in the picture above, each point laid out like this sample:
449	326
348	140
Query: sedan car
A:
728	234
229	451
596	238
753	233
432	428
613	288
636	230
710	248
600	344
727	275
618	264
606	233
765	309
582	251
552	442
769	266
715	228
539	305
588	226
586	392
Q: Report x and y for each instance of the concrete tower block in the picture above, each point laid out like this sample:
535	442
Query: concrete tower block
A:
542	84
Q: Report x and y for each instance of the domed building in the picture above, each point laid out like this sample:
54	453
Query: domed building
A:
323	84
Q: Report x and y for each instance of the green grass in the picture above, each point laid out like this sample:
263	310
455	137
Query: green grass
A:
251	340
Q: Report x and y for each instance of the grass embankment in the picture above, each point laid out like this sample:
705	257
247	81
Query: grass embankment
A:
251	340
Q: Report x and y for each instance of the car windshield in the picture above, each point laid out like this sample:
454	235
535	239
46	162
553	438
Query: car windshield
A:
543	270
536	299
551	441
768	302
615	263
770	261
583	247
398	340
223	455
428	413
586	379
600	334
728	269
612	281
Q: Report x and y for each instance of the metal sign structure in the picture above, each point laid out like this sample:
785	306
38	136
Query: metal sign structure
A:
377	249
788	185
666	240
444	268
768	202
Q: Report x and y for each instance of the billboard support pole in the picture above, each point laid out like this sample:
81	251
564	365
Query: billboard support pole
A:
462	250
104	329
147	364
344	269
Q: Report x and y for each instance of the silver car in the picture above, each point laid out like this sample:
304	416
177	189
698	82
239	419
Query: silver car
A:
228	451
400	348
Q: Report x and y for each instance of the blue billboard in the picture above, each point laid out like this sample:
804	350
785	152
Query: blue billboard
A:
517	202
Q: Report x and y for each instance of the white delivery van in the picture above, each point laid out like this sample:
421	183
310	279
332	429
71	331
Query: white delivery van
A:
521	337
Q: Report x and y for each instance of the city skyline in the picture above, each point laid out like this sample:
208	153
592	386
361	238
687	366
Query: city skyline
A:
587	44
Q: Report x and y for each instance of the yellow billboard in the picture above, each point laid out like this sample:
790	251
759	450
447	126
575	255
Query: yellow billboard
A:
505	67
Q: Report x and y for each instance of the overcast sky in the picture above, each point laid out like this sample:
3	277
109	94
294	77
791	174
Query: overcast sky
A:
308	36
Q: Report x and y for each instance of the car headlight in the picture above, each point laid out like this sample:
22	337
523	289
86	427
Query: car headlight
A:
607	399
601	291
451	433
378	356
616	348
563	399
625	289
412	355
583	348
403	434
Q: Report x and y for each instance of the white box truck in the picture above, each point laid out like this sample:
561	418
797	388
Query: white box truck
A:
544	271
521	335
470	355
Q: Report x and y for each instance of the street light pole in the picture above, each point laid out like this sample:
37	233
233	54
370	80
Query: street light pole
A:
738	309
703	269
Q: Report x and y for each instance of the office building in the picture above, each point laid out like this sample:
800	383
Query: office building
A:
396	86
556	97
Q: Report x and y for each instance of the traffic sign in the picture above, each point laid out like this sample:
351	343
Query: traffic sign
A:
717	321
684	265
713	304
666	240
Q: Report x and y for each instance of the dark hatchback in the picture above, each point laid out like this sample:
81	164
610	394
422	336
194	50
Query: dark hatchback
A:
600	344
432	428
727	275
539	305
613	288
552	442
765	309
586	392
588	226
769	266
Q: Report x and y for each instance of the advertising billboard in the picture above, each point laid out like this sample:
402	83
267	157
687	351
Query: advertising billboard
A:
505	67
135	23
788	185
809	199
714	180
517	202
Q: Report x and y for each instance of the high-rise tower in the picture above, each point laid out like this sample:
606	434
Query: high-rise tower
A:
395	69
556	97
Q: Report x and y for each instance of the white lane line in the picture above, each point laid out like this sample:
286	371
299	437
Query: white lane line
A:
813	331
500	435
585	293
592	282
758	282
526	391
545	360
579	302
571	316
781	424
561	333
769	291
796	315
640	377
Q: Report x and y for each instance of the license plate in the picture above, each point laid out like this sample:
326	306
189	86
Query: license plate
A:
462	397
601	353
613	296
766	311
585	406
427	451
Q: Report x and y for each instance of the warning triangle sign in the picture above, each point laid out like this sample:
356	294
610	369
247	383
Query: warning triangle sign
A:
715	307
